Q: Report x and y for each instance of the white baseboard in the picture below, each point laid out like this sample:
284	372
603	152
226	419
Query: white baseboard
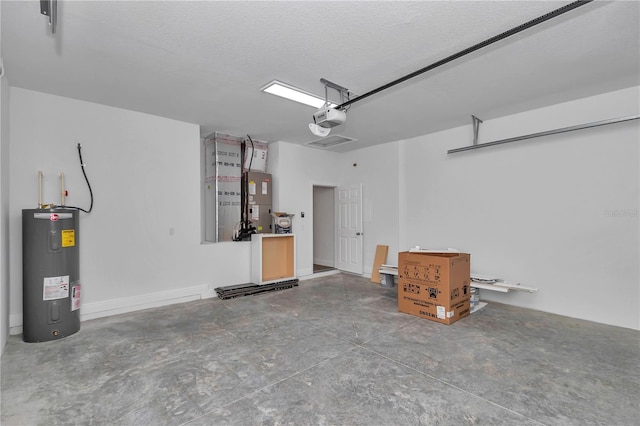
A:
304	272
15	324
107	308
319	274
111	307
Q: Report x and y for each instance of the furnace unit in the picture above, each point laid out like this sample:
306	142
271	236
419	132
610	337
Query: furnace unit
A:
258	192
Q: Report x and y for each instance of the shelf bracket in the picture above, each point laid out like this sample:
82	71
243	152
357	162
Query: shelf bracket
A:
476	128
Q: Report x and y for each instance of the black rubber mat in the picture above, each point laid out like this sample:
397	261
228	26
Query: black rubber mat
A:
232	291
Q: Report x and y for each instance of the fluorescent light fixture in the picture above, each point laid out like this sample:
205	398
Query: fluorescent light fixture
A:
294	94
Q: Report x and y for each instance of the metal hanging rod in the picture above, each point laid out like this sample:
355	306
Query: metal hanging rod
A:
546	133
50	9
554	13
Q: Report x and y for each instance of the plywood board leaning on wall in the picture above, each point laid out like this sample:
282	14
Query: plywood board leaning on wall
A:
380	259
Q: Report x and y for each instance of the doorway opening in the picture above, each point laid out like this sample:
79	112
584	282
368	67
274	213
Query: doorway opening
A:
324	229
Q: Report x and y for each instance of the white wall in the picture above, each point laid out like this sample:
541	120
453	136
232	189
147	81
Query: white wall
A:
377	169
558	213
296	169
324	226
4	208
144	171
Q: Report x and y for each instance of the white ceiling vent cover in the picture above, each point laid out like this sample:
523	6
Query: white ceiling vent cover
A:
330	142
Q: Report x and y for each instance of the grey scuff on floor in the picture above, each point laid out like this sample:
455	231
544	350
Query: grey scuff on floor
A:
333	351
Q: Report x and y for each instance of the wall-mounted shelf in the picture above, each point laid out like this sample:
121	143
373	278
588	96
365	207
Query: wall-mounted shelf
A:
539	134
496	284
491	287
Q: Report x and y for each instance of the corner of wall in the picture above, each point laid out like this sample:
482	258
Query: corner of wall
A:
4	213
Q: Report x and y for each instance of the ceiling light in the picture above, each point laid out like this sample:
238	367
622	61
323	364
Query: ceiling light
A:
293	93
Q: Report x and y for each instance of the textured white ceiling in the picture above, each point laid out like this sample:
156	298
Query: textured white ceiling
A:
204	62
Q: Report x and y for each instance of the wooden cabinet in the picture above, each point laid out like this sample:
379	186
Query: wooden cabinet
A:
273	258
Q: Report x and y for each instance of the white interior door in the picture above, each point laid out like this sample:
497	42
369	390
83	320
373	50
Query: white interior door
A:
349	228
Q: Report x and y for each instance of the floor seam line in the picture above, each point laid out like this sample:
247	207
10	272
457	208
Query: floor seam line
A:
449	384
274	383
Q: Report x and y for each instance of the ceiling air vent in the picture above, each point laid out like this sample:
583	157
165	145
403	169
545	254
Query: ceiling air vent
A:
330	142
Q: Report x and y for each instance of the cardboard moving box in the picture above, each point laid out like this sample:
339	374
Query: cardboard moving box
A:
434	286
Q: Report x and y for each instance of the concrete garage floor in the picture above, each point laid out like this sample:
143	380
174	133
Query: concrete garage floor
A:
333	351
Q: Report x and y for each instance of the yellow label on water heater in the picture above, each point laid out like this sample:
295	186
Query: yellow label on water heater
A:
68	237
